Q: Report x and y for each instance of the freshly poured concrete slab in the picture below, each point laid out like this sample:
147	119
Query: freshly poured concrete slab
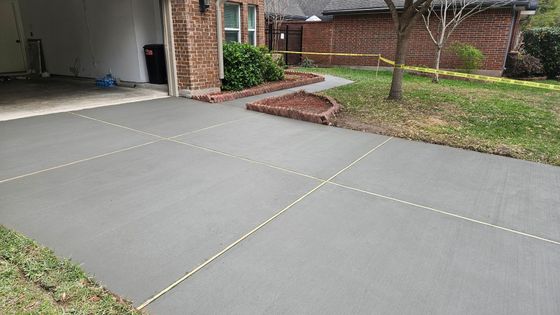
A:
312	149
511	193
141	219
33	144
344	252
168	117
329	83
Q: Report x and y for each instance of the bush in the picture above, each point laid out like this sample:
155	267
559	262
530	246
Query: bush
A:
523	66
307	63
544	43
272	70
470	56
246	66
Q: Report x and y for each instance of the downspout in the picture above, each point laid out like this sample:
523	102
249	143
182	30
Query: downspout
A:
513	20
220	37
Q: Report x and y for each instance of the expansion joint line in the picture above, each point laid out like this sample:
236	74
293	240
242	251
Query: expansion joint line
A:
257	228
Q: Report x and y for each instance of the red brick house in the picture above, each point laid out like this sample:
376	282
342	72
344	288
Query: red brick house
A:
365	26
91	38
195	39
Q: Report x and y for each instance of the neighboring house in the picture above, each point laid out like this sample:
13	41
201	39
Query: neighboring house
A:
90	38
365	26
302	10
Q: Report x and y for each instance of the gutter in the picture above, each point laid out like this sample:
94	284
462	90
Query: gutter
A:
526	3
219	36
513	20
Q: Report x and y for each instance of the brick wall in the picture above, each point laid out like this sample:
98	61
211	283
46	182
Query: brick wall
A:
374	33
196	48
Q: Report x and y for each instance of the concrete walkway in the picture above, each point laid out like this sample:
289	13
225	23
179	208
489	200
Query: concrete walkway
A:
214	209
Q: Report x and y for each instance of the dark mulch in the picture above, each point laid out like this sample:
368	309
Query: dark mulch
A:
300	105
300	101
291	80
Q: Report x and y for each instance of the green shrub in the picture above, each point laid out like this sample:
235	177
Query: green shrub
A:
272	70
246	66
470	56
544	43
307	63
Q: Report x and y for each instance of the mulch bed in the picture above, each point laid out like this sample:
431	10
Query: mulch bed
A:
300	105
291	80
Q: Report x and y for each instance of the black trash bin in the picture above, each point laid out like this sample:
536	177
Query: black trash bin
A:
155	61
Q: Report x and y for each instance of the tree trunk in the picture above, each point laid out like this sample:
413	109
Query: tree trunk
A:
400	59
438	61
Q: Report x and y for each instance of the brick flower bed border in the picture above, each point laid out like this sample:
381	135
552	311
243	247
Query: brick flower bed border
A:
325	118
306	78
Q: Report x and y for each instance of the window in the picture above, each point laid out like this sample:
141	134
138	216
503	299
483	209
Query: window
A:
252	14
232	17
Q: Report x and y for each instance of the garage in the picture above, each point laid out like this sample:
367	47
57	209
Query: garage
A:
54	51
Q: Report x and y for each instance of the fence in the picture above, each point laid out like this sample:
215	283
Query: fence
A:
286	38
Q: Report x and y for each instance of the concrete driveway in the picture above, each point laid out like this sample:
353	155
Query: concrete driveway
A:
187	207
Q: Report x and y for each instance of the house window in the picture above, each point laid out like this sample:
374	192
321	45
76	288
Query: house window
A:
232	17
252	29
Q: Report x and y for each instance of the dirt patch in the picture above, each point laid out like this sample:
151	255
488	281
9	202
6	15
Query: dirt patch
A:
300	101
291	80
300	105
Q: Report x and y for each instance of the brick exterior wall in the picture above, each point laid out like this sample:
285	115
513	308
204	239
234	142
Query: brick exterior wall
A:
196	48
374	33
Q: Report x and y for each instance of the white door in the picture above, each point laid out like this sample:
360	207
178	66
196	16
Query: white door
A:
11	40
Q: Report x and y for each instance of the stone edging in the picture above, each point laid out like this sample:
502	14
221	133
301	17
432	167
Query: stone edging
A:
325	118
309	78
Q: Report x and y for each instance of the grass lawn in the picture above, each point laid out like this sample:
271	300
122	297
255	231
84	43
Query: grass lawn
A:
34	281
496	118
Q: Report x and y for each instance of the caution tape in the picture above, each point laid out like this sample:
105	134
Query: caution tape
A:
474	76
324	54
435	71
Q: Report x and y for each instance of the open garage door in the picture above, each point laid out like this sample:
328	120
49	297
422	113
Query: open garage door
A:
62	46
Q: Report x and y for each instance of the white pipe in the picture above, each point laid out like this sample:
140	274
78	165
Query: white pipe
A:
220	37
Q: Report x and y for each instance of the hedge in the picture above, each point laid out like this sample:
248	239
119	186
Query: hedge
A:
246	66
544	43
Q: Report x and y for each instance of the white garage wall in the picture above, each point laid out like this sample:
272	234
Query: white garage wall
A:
91	38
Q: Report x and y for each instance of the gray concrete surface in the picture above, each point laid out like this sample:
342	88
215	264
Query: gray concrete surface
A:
308	148
140	217
138	220
37	143
41	96
343	252
511	193
168	117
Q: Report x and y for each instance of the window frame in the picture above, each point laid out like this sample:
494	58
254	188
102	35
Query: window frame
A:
238	29
252	41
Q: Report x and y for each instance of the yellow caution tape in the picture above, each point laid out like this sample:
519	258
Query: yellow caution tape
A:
434	71
325	54
474	76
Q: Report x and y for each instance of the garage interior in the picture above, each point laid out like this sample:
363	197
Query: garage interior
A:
53	52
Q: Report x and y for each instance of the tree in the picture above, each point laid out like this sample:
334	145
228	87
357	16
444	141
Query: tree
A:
276	11
449	14
548	14
404	22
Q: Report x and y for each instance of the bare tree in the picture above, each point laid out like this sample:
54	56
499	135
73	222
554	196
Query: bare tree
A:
404	20
449	14
276	11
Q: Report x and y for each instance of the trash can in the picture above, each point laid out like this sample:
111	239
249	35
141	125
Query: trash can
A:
155	61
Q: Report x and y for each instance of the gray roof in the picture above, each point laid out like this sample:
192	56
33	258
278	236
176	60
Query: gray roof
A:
303	9
314	7
355	6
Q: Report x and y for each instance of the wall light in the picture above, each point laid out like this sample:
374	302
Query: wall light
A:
204	5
